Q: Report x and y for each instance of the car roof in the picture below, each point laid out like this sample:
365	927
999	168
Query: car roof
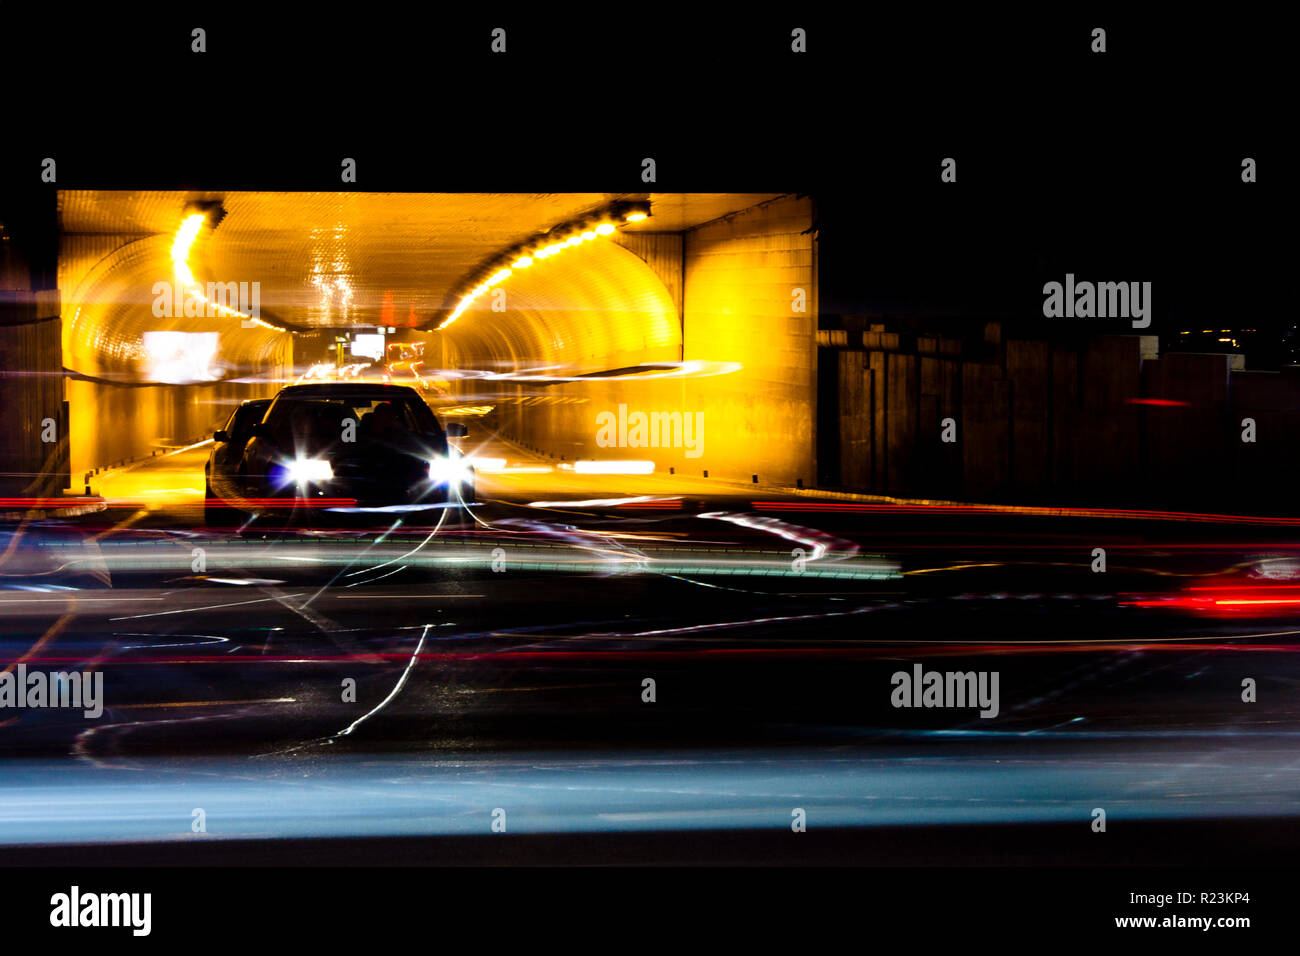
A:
346	390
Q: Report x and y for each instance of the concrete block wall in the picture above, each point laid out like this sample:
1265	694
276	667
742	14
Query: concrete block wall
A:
31	394
1091	422
31	359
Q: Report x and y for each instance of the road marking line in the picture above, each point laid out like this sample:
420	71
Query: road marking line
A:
386	597
211	703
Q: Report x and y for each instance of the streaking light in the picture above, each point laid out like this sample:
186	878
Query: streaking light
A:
692	368
632	467
593	502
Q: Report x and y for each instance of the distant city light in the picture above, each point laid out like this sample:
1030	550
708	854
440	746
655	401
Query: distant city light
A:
178	358
367	345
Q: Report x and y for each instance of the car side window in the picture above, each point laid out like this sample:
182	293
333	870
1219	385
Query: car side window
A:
245	417
421	419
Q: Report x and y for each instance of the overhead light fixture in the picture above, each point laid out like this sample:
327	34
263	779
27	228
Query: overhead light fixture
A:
186	235
632	210
556	241
197	216
213	212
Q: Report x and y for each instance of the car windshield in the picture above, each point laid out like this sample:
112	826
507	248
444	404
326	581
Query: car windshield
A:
322	420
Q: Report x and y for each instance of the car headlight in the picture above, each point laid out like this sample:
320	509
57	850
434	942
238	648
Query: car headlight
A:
445	470
305	470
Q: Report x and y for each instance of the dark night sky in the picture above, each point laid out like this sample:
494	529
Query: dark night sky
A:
1214	260
1123	166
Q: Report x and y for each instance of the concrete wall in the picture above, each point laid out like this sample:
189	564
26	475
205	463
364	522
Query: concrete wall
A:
31	395
740	273
1091	421
112	423
31	366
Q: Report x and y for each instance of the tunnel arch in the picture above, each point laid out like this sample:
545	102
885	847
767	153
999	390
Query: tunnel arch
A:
108	308
689	311
597	306
596	309
113	306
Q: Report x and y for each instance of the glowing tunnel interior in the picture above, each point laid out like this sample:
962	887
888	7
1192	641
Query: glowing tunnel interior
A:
120	365
686	312
601	310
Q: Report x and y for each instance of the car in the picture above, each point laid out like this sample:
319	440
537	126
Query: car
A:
223	462
377	446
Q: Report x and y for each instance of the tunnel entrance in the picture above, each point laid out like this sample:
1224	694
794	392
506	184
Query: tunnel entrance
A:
701	304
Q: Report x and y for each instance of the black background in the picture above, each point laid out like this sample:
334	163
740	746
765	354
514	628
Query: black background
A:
1124	165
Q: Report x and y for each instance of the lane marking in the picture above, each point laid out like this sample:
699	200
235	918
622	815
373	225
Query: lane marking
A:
209	703
386	597
191	610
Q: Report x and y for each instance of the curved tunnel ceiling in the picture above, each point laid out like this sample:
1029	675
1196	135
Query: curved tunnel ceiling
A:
363	259
600	308
111	307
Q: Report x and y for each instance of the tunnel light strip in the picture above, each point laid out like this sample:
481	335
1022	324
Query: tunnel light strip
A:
525	259
186	236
